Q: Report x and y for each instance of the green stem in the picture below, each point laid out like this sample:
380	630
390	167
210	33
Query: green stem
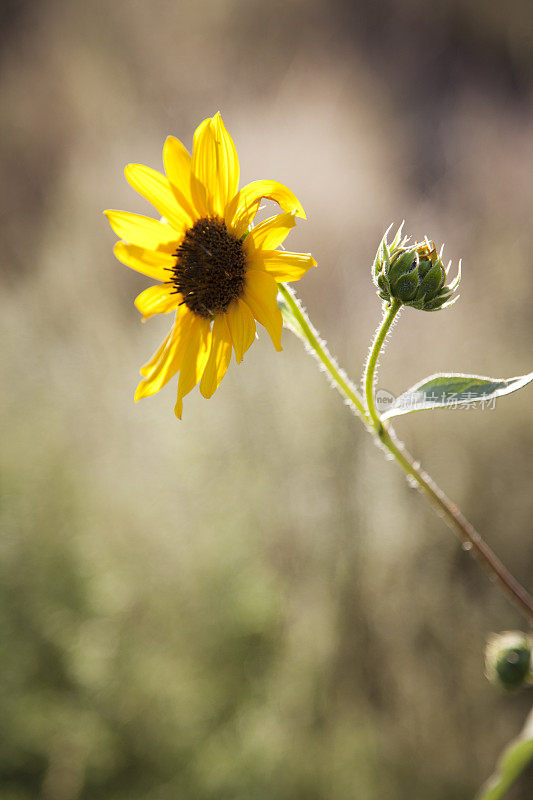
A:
308	333
372	363
471	539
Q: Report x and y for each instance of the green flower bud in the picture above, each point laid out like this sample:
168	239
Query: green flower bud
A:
508	659
414	274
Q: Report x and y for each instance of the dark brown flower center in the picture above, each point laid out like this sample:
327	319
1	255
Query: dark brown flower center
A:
210	267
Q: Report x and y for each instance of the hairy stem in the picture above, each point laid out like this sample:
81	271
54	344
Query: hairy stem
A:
471	539
372	362
307	332
298	321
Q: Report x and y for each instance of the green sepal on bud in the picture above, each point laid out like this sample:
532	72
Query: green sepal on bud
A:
508	659
413	274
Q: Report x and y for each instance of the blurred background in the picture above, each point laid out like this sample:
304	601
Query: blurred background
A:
252	603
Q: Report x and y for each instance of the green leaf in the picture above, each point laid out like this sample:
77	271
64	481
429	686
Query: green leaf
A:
512	763
451	390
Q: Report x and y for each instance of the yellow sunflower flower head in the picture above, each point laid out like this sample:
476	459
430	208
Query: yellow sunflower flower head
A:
218	273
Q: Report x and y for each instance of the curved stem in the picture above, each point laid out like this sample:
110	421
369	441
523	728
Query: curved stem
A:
372	363
472	541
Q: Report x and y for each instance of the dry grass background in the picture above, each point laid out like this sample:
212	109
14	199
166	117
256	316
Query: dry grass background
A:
252	603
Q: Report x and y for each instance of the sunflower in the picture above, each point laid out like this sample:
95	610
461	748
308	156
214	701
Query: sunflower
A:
218	272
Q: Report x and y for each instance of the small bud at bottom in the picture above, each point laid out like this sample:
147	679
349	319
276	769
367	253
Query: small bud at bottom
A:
508	659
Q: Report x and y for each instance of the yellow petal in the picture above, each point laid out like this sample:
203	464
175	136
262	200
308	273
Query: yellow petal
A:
195	354
219	357
178	163
156	188
150	364
282	265
271	233
243	208
215	164
170	357
261	296
150	262
157	300
140	230
241	324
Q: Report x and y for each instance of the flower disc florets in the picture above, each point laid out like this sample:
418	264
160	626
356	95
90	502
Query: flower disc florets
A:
413	274
210	267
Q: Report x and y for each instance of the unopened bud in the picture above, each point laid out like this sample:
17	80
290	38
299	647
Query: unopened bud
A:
413	274
508	659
